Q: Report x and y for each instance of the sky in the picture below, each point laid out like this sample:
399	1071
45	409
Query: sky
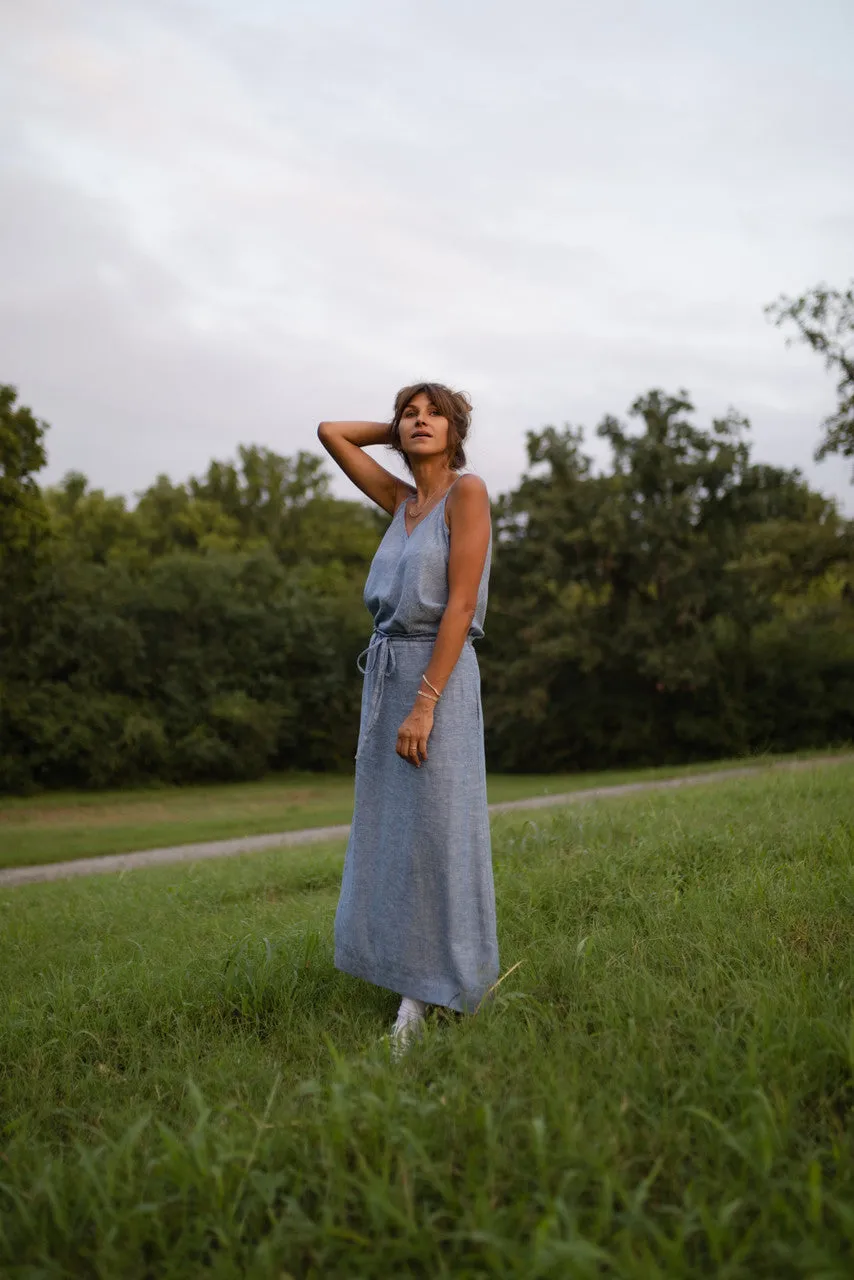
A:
224	222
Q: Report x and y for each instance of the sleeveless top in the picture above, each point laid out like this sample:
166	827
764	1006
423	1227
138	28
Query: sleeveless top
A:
406	590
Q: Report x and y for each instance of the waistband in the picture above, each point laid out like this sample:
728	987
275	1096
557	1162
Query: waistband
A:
382	639
379	659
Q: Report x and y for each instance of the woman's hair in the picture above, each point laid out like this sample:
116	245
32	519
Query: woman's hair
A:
453	405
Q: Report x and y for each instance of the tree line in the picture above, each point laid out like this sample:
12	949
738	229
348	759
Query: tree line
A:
684	602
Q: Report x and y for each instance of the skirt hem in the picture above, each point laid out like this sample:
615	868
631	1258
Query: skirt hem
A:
431	991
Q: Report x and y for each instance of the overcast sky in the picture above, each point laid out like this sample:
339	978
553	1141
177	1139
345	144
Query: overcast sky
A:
222	222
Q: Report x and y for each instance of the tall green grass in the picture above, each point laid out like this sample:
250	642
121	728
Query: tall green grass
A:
662	1087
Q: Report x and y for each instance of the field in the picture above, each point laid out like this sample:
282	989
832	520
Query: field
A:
60	826
661	1085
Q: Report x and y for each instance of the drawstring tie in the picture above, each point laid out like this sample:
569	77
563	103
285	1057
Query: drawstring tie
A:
380	662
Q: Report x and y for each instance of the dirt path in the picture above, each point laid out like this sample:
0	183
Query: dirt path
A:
314	835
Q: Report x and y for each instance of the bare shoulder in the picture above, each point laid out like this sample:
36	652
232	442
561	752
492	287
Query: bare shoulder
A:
469	490
469	496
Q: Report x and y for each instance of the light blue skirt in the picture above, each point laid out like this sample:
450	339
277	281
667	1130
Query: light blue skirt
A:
417	906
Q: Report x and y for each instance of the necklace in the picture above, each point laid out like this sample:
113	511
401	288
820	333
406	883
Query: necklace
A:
415	510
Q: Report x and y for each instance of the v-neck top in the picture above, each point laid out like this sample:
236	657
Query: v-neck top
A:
406	590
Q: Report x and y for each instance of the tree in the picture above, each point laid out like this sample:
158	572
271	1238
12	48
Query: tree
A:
169	518
196	665
264	492
23	516
824	319
681	602
24	528
89	525
284	503
625	606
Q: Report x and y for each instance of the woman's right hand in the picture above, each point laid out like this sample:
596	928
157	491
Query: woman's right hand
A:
345	442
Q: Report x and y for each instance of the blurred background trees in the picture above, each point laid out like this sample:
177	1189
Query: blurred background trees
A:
683	602
686	602
823	318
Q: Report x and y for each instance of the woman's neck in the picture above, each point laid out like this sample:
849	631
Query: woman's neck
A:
430	476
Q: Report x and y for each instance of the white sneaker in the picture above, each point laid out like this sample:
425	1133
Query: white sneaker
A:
403	1033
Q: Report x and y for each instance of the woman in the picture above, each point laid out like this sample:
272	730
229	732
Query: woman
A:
417	908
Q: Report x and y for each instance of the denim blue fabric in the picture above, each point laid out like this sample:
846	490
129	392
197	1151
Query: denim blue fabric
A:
417	907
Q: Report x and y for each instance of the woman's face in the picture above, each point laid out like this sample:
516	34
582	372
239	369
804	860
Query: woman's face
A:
423	430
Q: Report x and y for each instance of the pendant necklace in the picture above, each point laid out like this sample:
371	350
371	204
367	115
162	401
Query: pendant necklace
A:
415	511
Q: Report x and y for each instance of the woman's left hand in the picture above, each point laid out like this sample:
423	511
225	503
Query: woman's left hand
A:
413	733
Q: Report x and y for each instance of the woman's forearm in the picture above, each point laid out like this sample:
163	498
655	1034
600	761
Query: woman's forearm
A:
448	645
360	433
346	442
413	734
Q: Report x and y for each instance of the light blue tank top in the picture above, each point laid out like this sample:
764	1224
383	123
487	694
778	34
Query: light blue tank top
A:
406	591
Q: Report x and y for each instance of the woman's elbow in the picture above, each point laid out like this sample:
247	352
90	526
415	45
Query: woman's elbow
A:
464	607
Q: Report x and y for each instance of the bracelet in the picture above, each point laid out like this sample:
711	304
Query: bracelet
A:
422	694
431	686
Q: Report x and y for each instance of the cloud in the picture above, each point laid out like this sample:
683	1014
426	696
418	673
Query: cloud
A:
223	224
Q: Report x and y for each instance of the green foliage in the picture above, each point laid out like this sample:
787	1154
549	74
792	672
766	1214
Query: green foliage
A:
661	1088
89	526
660	611
824	319
23	519
24	525
627	608
203	666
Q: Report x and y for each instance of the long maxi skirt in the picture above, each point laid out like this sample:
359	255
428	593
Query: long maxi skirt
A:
417	907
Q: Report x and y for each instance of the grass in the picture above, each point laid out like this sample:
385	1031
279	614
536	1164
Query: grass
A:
65	825
662	1087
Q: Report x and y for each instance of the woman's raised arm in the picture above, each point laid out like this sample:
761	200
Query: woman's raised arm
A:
345	442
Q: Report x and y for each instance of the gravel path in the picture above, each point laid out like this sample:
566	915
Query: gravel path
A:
314	835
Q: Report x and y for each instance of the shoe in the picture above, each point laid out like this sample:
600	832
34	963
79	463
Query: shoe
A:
403	1034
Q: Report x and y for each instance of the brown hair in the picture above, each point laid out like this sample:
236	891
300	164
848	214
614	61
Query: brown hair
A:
453	405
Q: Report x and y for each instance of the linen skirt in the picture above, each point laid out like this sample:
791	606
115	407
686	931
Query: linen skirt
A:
417	907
